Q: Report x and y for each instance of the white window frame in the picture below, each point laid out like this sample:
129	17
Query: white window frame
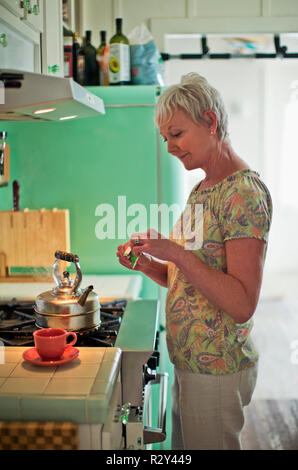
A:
159	27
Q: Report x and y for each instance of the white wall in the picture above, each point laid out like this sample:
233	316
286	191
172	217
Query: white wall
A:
240	83
182	16
281	170
256	94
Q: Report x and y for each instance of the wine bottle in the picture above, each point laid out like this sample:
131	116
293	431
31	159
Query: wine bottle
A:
119	57
68	61
91	65
103	59
78	65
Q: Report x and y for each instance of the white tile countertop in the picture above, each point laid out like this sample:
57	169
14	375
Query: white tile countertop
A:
107	286
79	391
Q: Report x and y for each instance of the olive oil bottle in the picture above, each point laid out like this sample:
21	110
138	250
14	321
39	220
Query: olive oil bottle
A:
119	57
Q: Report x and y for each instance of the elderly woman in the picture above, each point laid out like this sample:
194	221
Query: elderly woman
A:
213	289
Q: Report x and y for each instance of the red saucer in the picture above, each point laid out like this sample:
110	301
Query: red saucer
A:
32	355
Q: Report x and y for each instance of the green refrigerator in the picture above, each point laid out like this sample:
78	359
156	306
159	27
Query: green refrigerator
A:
118	160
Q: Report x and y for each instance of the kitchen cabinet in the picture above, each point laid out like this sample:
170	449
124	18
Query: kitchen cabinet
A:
58	14
33	19
22	50
52	39
34	42
13	6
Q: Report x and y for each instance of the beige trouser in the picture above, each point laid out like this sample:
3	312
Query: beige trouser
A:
207	410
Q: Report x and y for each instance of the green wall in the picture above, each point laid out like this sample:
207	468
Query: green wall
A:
80	164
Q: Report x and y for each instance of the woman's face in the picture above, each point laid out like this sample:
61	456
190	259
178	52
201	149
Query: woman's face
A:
192	143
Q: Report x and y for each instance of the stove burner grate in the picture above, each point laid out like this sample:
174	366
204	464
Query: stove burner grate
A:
17	324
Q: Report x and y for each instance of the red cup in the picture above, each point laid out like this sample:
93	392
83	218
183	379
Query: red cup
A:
52	342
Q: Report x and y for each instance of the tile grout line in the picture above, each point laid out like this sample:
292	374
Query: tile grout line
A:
87	414
21	397
50	378
9	375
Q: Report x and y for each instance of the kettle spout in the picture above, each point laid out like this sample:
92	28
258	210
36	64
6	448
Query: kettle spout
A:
84	295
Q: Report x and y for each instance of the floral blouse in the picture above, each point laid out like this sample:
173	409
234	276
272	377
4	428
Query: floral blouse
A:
201	338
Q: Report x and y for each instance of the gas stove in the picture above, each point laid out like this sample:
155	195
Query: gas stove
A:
17	324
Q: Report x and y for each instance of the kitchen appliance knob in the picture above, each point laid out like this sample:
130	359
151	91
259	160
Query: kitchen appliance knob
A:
148	377
125	410
152	363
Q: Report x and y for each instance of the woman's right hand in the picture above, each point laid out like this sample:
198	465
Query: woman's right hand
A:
142	263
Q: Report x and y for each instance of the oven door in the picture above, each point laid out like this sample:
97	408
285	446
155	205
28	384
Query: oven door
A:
139	432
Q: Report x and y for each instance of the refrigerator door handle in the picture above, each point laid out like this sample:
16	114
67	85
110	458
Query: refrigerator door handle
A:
151	434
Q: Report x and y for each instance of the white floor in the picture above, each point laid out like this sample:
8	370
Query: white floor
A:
275	334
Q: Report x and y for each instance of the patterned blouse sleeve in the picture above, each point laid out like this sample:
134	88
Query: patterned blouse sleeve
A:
245	209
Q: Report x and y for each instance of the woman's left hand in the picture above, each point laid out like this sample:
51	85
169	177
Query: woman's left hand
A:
154	244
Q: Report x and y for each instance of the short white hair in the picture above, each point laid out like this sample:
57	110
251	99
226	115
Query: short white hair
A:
193	95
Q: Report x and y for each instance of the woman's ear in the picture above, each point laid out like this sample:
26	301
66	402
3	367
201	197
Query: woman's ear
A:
211	120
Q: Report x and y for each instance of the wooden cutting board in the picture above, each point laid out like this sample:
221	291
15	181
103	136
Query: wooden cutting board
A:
29	238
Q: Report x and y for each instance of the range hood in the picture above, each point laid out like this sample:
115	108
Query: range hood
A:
26	96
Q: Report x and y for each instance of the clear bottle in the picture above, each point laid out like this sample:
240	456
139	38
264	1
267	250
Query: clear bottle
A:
119	57
91	65
103	55
78	65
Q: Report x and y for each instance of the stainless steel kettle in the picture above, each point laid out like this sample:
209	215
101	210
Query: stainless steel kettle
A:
67	306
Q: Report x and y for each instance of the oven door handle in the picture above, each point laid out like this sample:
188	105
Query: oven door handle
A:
150	434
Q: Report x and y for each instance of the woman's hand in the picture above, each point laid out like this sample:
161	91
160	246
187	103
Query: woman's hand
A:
142	263
155	244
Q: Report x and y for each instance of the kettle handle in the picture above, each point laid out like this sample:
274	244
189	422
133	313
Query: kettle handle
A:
64	256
